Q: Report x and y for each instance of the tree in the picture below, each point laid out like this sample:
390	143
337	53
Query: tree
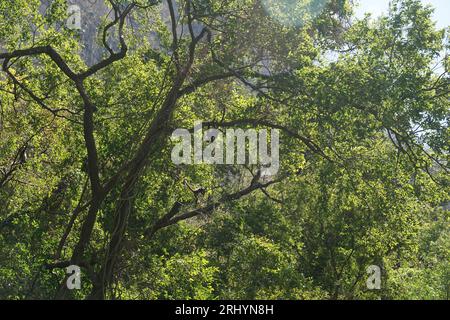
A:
86	173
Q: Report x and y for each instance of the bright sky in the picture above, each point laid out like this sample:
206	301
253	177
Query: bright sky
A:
377	7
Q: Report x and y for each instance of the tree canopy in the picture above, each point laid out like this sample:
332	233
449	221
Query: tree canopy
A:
86	176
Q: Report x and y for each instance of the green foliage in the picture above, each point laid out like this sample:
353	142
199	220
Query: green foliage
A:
364	154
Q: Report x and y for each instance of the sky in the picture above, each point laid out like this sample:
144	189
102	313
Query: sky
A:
378	7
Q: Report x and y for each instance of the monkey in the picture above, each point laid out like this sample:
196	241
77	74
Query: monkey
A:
23	155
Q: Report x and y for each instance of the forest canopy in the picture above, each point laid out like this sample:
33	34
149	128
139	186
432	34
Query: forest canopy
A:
87	178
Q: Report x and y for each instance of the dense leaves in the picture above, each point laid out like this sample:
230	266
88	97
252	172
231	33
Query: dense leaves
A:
86	175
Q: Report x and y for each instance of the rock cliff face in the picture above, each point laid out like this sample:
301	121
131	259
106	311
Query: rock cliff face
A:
92	12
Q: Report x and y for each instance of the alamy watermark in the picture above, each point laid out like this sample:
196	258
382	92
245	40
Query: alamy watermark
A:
74	20
374	280
74	279
236	146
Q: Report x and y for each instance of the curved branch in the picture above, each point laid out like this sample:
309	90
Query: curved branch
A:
173	218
